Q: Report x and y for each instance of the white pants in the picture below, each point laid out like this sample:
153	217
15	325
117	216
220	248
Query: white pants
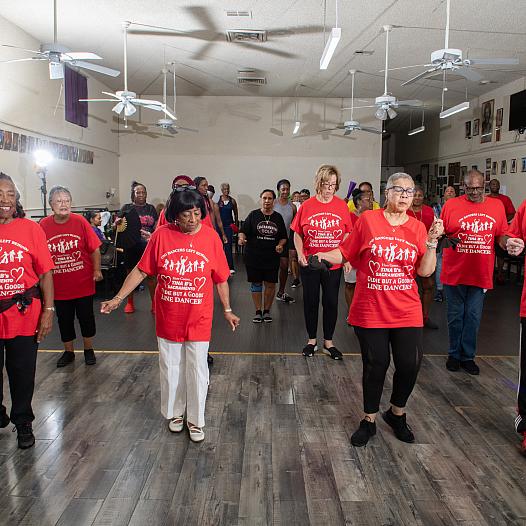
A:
184	379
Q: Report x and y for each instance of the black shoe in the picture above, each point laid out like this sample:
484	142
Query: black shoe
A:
334	353
66	358
309	350
296	283
362	435
89	357
4	419
452	364
258	318
209	360
428	324
401	430
25	436
267	318
470	367
439	296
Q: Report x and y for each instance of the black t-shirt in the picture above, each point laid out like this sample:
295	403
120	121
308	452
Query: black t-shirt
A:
263	235
147	216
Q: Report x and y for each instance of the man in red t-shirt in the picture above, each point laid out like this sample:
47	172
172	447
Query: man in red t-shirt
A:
494	188
515	237
467	270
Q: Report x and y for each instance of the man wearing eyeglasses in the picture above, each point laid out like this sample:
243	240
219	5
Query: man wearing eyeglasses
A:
467	270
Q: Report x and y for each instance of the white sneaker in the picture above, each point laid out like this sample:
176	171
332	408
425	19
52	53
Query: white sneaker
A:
196	433
176	425
232	272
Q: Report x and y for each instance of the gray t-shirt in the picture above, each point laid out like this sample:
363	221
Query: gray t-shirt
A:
286	211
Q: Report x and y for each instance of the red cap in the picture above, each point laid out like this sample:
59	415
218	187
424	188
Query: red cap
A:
184	178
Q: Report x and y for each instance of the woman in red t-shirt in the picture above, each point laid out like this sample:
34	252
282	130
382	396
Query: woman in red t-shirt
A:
187	258
388	248
426	215
26	307
321	224
75	251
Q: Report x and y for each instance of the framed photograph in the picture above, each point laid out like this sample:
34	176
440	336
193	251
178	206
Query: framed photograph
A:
474	167
488	163
486	188
488	175
497	135
476	127
467	132
513	166
463	173
14	142
494	165
503	165
7	140
1	139
487	121
523	163
22	144
498	118
441	171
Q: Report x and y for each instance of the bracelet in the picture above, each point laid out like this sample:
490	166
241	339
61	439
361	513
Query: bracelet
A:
50	308
228	310
430	244
118	298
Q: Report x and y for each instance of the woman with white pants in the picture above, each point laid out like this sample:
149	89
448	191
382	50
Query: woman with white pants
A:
187	258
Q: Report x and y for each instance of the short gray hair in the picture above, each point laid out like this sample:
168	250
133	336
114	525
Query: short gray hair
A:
58	190
396	177
473	173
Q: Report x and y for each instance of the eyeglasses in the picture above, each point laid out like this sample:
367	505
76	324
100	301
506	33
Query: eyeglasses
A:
474	189
401	190
328	185
63	201
182	188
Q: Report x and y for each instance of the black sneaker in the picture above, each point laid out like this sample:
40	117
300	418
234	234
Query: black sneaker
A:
362	435
439	296
258	318
470	367
25	436
401	430
89	357
209	360
334	353
309	350
66	358
285	298
296	283
267	318
452	364
4	419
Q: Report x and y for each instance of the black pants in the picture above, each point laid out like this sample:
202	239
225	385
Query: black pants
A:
376	344
20	363
66	310
520	422
330	286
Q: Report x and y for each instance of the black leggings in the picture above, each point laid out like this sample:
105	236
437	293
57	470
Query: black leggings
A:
521	391
376	344
330	286
66	310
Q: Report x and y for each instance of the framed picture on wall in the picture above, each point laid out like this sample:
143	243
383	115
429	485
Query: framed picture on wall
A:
497	135
488	175
488	163
476	127
523	164
498	118
494	168
441	171
463	173
1	139
513	166
467	132
503	165
474	167
487	121
7	140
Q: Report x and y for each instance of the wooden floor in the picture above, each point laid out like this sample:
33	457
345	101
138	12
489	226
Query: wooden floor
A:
277	448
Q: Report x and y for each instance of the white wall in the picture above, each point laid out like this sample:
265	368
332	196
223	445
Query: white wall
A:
235	145
27	105
445	142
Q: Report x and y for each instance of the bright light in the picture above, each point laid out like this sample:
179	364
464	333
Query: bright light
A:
330	47
381	114
296	127
414	131
455	109
42	158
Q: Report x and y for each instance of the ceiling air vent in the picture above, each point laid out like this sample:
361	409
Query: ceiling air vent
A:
239	13
246	35
250	78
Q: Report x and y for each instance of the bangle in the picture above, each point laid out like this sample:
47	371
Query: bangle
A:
228	310
118	298
50	308
431	244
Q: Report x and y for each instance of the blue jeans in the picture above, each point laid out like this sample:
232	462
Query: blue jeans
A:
439	285
464	312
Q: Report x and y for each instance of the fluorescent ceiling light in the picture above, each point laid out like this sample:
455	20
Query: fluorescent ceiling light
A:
414	131
296	127
455	109
330	47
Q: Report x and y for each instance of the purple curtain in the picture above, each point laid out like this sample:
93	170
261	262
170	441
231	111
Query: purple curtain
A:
75	88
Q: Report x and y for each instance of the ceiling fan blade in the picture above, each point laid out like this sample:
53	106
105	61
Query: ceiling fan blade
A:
97	68
111	95
151	107
118	107
79	55
297	30
370	130
193	130
202	15
144	102
407	67
20	60
420	76
96	100
494	61
172	130
259	47
358	107
201	54
468	73
23	49
329	129
414	103
348	131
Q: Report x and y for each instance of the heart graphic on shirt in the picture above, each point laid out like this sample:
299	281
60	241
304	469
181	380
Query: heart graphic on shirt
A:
17	273
374	266
199	283
165	279
408	268
337	233
312	233
462	237
488	238
76	255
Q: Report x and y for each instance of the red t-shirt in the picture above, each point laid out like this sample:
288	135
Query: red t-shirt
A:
517	228
162	220
24	256
322	225
386	259
426	215
476	225
71	245
506	201
187	267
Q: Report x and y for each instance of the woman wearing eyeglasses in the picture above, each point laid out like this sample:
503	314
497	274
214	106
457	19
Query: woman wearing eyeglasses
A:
321	224
388	248
188	259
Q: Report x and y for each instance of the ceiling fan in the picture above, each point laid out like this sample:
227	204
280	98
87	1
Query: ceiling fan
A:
127	100
58	55
352	125
450	59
